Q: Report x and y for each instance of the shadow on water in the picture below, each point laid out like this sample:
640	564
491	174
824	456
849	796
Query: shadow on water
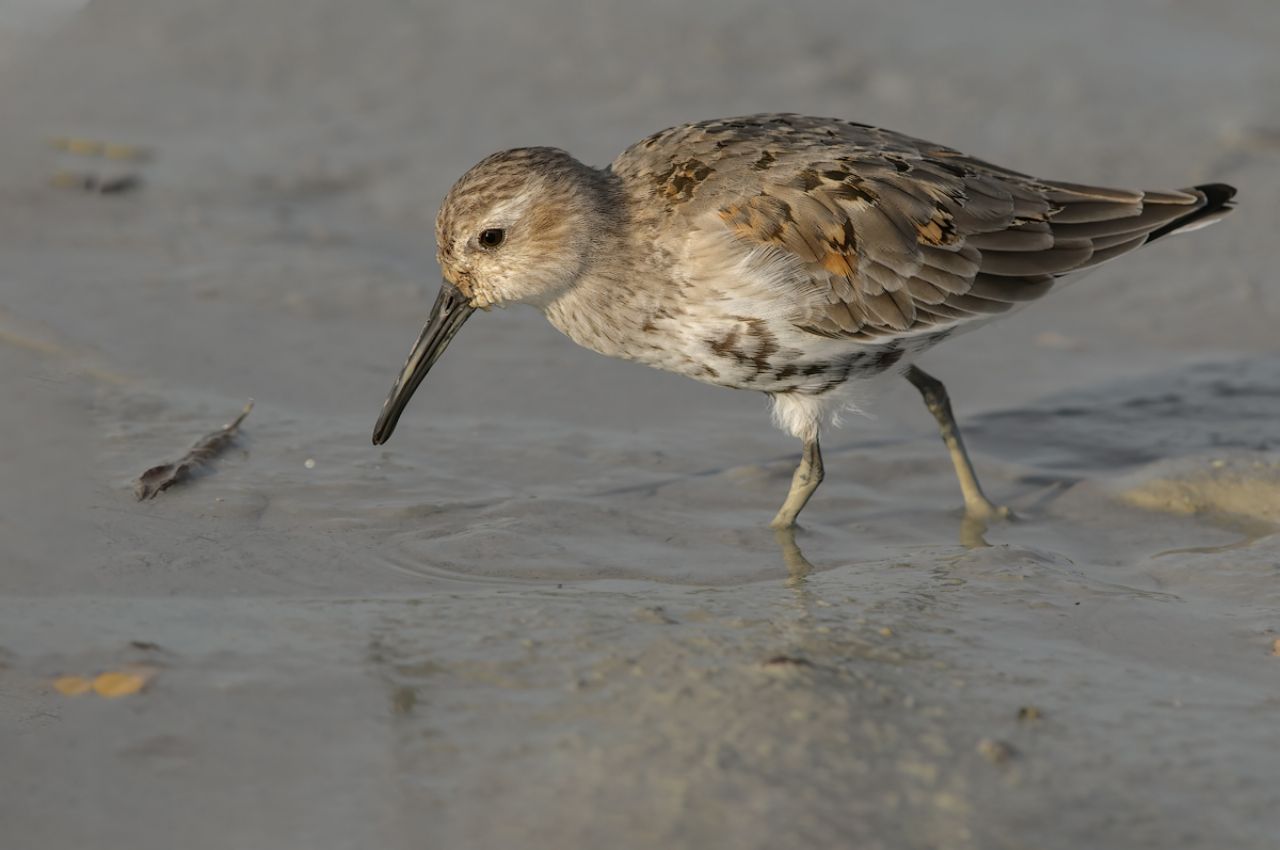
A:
1250	531
702	526
1121	425
972	534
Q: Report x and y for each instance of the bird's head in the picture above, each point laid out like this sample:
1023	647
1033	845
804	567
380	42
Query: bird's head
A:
518	228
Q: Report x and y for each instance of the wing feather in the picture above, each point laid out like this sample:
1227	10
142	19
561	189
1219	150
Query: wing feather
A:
1062	257
898	235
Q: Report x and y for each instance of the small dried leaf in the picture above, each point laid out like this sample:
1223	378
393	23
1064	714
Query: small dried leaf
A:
788	661
93	183
72	686
95	148
124	682
160	478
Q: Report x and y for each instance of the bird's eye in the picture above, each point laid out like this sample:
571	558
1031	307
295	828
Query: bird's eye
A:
492	237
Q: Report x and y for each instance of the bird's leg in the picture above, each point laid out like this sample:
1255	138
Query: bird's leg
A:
976	504
806	479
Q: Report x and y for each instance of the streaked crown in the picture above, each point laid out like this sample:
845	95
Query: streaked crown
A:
520	225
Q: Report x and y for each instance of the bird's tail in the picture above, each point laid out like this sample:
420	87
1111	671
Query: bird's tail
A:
1217	203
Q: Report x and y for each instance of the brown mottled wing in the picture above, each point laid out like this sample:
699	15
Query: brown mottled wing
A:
901	235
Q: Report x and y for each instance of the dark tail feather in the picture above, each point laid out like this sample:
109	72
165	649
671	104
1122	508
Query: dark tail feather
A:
1217	202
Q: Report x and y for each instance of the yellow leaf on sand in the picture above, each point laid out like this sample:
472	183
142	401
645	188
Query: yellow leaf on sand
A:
122	683
72	686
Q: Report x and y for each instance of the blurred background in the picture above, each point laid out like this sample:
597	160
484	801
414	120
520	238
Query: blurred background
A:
335	122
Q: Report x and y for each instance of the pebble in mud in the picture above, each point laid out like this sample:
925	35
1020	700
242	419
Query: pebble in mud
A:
996	752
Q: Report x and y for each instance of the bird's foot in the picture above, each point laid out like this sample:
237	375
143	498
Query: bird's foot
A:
985	511
977	517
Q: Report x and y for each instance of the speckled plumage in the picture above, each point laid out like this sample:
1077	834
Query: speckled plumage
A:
781	253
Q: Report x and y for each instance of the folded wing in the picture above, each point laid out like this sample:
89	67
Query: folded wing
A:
904	240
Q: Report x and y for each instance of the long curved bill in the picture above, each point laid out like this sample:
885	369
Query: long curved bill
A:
447	316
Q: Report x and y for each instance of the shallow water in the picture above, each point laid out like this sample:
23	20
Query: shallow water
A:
549	613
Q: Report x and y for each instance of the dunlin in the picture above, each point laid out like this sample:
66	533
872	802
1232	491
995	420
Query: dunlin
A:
791	255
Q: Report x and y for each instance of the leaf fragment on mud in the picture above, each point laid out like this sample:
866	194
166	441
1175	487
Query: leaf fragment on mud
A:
72	686
95	148
112	684
98	184
124	682
160	478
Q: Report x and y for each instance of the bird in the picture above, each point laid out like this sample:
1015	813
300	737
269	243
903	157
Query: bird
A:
792	255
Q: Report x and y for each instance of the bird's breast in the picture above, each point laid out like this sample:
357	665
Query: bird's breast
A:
727	348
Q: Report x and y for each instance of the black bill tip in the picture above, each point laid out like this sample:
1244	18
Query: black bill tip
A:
448	314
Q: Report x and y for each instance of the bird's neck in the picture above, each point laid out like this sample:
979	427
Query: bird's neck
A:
621	284
606	305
